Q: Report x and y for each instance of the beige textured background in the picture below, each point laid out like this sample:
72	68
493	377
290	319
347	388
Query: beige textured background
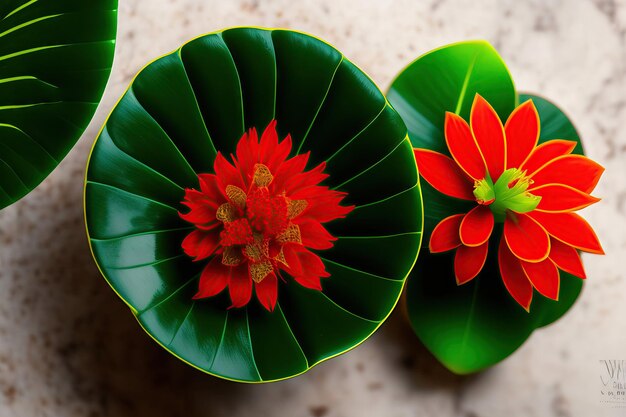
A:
69	347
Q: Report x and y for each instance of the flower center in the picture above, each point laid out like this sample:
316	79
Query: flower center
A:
510	192
257	223
267	214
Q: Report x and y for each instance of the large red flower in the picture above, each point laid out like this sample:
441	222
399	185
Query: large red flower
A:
259	216
534	190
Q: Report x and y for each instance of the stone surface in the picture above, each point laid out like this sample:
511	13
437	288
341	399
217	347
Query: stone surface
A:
69	347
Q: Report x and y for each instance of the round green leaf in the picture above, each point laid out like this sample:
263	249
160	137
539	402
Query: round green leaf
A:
476	325
55	59
178	112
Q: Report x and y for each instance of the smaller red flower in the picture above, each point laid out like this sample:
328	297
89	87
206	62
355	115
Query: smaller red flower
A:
534	190
259	216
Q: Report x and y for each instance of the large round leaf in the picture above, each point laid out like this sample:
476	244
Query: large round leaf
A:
475	325
55	59
176	114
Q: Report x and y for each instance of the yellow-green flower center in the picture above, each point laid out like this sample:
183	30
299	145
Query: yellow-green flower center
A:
510	192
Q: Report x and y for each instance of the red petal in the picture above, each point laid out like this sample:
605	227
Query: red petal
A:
526	238
202	209
273	153
315	191
248	153
522	133
463	147
195	197
544	276
560	198
309	281
324	207
304	266
208	245
576	171
199	214
280	154
227	174
311	263
513	276
571	229
213	279
240	285
489	133
545	152
566	258
191	243
469	261
444	174
476	226
445	235
200	244
287	170
315	236
209	188
292	259
306	179
268	144
267	291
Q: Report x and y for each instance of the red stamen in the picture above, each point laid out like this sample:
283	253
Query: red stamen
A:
267	214
237	232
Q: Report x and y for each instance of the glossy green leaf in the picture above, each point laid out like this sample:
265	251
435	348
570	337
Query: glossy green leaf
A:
55	59
476	325
177	113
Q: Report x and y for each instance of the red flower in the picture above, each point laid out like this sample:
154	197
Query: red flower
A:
258	216
533	189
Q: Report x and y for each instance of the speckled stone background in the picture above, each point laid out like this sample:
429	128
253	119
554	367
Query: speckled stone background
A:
69	347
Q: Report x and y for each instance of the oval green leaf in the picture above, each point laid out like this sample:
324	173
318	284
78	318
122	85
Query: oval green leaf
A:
178	112
55	60
476	325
